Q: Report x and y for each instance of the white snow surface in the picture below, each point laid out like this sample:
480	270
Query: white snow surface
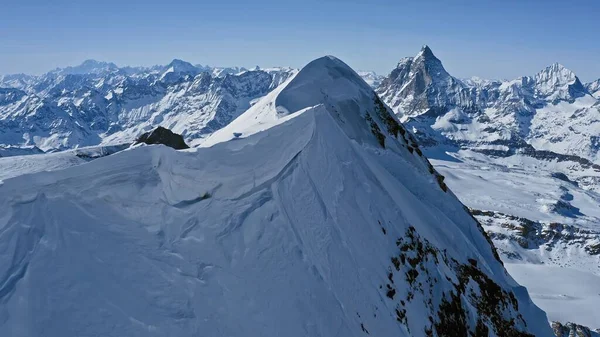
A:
567	295
278	233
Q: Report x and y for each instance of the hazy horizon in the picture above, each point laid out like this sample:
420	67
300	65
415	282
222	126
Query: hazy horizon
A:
489	40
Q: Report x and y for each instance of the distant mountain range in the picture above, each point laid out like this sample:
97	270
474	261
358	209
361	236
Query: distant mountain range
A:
549	112
98	102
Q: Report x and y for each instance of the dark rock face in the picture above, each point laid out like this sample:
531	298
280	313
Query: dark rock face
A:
418	267
163	136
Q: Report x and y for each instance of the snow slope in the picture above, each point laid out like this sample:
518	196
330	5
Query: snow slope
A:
567	295
328	223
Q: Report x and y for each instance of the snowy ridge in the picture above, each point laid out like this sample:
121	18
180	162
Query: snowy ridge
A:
328	223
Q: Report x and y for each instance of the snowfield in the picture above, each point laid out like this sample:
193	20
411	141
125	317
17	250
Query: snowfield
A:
320	219
566	294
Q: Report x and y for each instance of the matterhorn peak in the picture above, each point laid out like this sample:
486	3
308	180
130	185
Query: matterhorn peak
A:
426	51
417	82
426	54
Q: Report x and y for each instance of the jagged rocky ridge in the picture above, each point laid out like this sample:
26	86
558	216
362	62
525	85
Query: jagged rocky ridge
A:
529	234
323	217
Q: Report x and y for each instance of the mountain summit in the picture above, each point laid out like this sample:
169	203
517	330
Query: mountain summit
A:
314	213
551	111
420	83
558	83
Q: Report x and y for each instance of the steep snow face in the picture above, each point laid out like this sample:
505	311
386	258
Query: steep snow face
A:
328	223
326	81
98	103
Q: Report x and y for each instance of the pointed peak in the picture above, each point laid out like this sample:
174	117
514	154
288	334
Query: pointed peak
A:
179	62
180	66
426	53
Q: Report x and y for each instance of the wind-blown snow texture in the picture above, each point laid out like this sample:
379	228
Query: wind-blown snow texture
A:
327	223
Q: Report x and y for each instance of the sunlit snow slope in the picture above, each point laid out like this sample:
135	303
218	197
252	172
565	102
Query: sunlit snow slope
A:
328	223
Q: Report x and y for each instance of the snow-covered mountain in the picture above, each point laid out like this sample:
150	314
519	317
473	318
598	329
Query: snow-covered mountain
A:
313	213
523	155
594	88
551	111
98	102
372	78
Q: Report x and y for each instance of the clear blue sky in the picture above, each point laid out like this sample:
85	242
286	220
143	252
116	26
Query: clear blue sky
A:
488	38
